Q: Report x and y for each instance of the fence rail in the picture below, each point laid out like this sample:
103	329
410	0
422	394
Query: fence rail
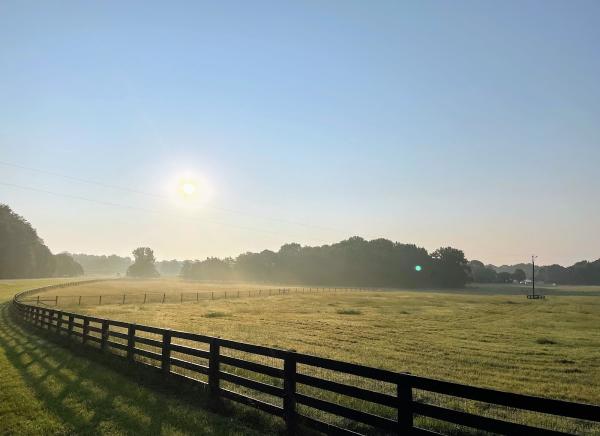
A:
173	297
231	369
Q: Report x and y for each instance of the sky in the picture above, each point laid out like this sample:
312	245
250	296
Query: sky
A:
440	123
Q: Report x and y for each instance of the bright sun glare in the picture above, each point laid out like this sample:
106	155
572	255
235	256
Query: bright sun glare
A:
188	188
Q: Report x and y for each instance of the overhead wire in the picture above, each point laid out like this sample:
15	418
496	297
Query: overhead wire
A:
161	196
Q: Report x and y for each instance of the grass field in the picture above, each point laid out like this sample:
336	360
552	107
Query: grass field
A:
484	337
46	389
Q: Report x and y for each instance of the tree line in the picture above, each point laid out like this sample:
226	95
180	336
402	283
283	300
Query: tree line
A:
23	253
352	262
488	274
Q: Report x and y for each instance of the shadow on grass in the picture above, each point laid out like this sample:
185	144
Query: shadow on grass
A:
107	396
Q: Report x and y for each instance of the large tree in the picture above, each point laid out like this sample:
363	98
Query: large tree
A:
451	269
144	263
22	252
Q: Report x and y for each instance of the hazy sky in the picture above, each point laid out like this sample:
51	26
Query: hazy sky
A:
472	124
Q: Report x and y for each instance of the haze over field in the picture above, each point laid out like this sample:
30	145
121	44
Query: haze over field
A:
212	130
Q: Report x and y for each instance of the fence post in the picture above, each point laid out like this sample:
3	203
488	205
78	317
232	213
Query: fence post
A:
38	300
70	326
166	353
104	341
164	296
213	369
59	323
100	300
123	298
56	301
289	393
404	404
86	330
130	342
80	300
144	298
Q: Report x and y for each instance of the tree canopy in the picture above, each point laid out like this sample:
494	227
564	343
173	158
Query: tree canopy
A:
352	262
144	263
23	253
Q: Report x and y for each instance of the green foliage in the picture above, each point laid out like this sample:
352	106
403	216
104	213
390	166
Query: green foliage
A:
66	266
169	267
102	265
581	273
352	262
22	253
519	275
450	267
144	264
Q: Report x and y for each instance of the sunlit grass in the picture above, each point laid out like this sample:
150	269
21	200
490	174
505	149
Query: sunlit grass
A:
46	389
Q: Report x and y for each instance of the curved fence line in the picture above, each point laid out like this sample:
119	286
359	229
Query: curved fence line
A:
328	395
155	297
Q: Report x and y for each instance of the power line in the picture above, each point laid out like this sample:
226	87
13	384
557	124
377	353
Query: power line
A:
164	197
135	208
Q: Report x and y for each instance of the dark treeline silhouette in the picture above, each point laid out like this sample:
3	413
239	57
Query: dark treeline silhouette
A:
525	267
581	273
352	262
23	253
481	273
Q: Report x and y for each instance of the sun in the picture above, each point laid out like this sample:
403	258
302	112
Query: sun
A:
188	188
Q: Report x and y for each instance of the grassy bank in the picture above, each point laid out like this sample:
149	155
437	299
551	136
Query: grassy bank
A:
46	389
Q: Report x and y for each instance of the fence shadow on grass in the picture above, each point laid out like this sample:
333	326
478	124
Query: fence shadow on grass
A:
93	399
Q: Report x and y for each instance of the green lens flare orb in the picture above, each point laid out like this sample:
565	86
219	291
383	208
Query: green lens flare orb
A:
418	268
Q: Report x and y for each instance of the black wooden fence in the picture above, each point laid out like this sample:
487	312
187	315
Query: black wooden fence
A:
213	362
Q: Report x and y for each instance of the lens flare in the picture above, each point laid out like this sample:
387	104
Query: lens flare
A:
418	268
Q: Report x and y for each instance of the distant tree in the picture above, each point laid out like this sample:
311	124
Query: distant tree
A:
169	267
504	277
144	263
102	265
482	274
66	266
519	275
451	269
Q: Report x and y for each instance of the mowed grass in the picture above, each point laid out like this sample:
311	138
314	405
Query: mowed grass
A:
47	389
548	348
545	347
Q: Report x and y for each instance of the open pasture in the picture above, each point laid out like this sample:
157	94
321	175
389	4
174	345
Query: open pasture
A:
500	340
152	291
547	347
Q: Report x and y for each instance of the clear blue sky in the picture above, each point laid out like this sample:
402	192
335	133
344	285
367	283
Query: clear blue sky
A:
472	124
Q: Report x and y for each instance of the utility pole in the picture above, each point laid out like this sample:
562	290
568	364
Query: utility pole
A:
533	257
